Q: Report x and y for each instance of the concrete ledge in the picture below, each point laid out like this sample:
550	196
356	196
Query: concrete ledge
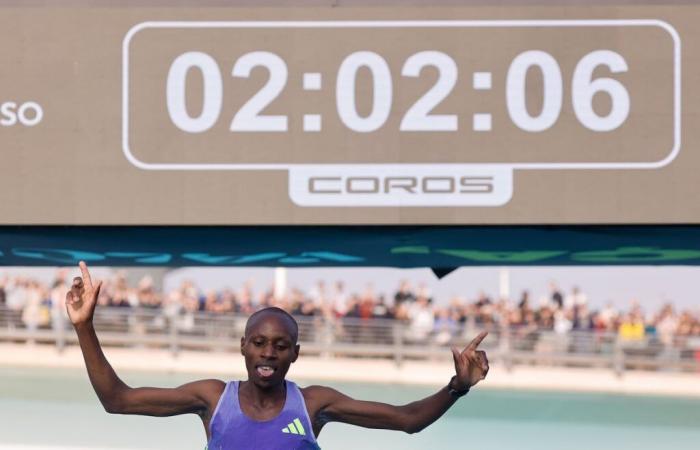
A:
430	373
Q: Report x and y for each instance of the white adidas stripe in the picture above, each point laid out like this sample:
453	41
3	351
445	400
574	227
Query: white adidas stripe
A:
294	427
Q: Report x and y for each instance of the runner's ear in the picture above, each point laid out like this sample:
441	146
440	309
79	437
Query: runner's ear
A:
296	352
242	345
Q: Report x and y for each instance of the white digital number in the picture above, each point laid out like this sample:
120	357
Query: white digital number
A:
248	118
345	91
516	93
212	92
418	117
584	89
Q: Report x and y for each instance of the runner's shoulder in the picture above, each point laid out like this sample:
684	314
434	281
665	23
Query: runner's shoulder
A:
209	389
319	395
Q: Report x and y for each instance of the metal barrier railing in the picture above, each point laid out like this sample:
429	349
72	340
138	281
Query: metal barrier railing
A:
353	337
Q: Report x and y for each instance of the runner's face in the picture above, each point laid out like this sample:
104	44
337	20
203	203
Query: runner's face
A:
269	350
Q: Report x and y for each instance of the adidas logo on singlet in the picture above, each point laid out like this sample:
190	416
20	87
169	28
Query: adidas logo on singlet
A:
294	427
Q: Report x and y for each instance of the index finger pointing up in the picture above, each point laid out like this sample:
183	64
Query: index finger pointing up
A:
86	274
477	340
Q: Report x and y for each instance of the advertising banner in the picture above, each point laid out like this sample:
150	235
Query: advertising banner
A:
116	113
439	247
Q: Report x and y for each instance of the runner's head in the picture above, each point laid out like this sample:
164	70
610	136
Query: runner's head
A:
269	346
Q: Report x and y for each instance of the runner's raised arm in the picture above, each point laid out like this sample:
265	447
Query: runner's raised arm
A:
199	397
328	405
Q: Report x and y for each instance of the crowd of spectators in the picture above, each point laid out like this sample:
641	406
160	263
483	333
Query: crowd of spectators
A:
41	305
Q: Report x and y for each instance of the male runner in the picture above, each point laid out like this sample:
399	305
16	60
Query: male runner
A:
266	411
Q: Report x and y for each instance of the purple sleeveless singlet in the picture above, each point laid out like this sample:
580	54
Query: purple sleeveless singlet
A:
231	429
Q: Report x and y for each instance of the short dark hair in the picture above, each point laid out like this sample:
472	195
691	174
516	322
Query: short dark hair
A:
274	310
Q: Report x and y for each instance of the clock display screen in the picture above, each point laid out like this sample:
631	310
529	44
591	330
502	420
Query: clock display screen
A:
473	92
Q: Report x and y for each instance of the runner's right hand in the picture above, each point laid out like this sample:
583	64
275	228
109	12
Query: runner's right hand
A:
82	297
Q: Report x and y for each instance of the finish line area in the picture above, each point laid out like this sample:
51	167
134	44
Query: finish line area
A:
399	225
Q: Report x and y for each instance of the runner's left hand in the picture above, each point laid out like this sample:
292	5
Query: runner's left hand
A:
471	365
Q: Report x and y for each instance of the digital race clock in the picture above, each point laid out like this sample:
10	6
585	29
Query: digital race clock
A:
401	112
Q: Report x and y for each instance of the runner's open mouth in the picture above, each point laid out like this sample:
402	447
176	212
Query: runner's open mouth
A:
265	371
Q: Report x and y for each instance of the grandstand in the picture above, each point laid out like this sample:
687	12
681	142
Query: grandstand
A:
558	329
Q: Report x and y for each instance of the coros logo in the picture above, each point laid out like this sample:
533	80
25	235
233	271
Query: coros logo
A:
396	184
400	185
